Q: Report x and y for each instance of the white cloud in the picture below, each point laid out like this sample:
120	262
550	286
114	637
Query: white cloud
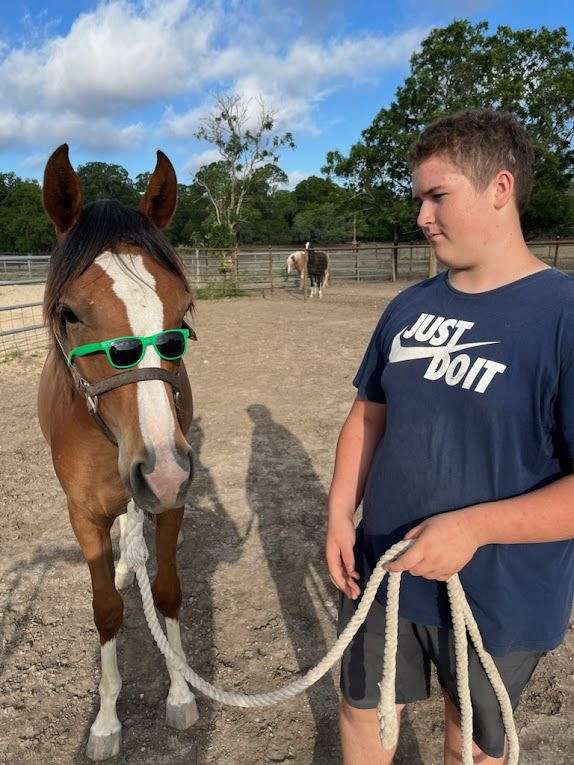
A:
293	83
115	57
34	161
185	124
126	55
28	129
201	158
295	177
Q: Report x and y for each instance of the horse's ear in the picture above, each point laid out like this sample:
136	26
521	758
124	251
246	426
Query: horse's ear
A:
160	199
61	191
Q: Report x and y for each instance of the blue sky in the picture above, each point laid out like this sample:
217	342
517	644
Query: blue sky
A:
120	78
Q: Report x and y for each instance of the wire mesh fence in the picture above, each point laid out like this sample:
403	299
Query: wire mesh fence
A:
21	330
23	269
264	267
256	269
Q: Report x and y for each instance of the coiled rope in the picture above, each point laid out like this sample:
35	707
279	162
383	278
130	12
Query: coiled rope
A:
136	555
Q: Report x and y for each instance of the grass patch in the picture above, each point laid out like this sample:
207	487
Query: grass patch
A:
10	356
218	290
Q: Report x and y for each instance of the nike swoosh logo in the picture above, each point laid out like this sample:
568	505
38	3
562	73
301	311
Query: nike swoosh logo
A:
401	353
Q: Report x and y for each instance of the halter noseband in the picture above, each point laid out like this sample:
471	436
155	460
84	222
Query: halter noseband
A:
91	391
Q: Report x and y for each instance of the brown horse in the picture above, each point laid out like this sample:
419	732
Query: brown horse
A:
118	436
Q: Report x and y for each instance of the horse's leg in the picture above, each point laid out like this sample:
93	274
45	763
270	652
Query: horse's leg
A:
94	538
180	708
124	576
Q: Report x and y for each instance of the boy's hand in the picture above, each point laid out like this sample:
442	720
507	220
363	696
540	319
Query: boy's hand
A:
340	556
444	544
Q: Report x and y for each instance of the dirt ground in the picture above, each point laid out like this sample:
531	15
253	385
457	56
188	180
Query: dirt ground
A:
272	384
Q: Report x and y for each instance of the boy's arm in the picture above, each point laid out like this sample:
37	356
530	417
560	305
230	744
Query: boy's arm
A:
446	542
362	431
543	515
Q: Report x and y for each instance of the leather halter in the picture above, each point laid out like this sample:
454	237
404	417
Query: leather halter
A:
91	391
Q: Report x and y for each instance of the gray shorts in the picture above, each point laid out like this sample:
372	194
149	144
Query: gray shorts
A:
419	647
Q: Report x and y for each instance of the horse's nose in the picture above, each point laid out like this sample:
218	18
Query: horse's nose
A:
162	479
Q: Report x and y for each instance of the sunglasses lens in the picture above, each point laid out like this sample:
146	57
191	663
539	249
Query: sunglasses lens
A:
126	353
170	345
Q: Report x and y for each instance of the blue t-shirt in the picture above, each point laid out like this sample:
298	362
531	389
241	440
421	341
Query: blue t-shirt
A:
480	396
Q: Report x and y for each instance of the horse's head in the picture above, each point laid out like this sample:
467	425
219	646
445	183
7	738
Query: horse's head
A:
113	276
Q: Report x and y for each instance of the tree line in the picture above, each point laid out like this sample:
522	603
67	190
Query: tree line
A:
364	194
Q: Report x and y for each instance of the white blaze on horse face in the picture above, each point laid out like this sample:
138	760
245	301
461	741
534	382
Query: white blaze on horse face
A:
157	423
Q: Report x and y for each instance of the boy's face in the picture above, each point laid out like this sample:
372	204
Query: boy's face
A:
457	220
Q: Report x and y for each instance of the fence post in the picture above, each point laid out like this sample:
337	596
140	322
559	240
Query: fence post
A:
236	267
357	272
393	265
271	268
432	262
556	255
411	259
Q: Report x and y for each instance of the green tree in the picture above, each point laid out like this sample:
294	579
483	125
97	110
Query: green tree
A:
190	215
249	156
322	222
141	182
24	227
100	180
315	190
528	72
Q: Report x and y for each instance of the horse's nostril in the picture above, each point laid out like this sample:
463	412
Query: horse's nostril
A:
157	480
137	479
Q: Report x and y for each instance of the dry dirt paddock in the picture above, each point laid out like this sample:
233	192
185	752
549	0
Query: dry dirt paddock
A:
272	384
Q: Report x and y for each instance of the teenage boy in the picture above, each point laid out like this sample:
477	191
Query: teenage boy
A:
461	437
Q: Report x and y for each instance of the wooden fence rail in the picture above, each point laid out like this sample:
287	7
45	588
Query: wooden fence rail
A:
264	268
260	269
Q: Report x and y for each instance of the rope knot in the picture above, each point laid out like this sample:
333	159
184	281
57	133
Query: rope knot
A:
136	552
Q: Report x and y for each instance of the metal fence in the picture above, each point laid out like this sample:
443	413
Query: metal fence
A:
23	269
264	267
21	330
259	269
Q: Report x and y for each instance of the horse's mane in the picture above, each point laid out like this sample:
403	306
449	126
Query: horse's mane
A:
102	225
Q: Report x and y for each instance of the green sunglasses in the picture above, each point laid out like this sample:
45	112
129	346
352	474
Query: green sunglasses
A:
126	352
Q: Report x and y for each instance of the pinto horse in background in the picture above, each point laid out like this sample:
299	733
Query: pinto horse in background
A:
297	261
118	436
317	264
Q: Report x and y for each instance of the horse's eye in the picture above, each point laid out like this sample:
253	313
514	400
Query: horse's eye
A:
69	316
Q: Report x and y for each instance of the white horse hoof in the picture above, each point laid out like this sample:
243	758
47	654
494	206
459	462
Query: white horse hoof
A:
181	716
104	747
124	578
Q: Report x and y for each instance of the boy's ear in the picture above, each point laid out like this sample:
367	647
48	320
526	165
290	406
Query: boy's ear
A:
160	199
61	191
503	188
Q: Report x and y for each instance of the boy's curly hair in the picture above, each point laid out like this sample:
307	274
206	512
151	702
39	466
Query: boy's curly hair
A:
480	142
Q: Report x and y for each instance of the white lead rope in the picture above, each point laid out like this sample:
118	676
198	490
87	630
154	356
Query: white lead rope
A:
136	557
